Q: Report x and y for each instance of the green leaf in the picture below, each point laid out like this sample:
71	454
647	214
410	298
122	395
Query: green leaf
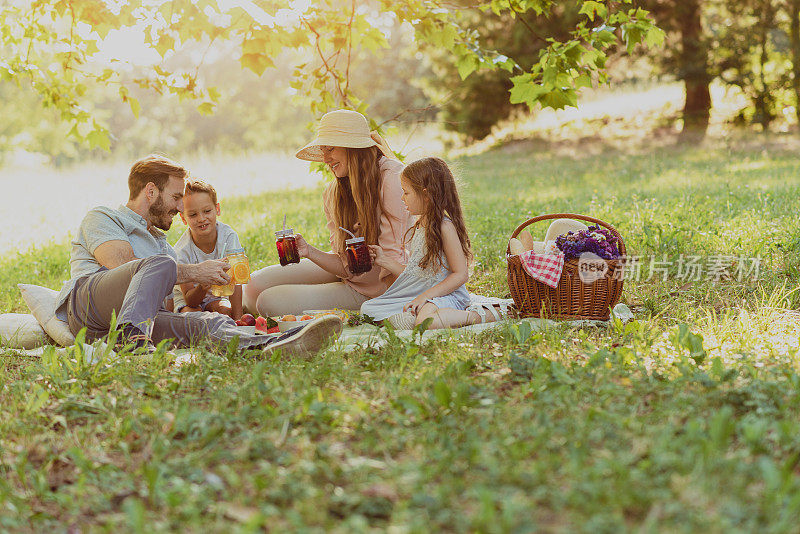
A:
584	80
573	52
560	98
466	65
525	90
448	37
165	44
632	35
604	37
654	37
102	29
590	8
135	106
258	63
521	331
91	47
98	137
206	108
692	342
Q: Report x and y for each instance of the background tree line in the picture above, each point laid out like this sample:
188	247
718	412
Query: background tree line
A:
751	45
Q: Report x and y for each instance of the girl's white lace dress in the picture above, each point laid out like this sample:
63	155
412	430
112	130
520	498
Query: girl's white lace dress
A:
413	282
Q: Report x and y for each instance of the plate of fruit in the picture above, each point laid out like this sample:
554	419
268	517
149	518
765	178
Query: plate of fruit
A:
289	321
257	325
342	314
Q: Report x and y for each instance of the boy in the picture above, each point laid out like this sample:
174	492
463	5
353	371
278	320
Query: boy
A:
205	239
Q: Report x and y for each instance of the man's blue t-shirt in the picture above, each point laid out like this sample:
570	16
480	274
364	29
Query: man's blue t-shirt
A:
103	224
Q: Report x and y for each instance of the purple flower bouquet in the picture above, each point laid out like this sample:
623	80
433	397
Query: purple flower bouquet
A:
595	239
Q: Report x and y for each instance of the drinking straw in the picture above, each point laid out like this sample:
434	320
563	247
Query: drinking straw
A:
284	222
348	231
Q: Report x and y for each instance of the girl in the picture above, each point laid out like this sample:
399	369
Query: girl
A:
432	284
365	199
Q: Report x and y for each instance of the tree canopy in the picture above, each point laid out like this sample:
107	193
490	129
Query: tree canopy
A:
59	47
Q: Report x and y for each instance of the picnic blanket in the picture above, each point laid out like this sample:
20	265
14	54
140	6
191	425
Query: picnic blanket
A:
370	336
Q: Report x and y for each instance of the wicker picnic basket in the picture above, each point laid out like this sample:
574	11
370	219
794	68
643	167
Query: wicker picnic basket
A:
571	299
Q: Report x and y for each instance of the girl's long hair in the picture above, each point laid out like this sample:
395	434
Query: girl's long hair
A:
431	179
357	197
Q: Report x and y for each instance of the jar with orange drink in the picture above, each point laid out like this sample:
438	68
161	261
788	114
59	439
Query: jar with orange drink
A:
239	273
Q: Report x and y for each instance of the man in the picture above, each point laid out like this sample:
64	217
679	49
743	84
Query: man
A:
121	263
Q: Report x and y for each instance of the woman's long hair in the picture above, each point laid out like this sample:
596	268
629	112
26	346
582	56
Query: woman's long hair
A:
357	197
431	179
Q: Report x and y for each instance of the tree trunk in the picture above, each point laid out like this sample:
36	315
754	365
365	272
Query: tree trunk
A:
764	114
693	60
794	34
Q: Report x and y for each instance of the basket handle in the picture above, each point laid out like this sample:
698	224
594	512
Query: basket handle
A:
568	216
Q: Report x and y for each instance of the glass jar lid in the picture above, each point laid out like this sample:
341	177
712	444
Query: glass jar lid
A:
354	241
284	233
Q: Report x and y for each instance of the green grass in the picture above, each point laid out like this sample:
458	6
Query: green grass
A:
684	420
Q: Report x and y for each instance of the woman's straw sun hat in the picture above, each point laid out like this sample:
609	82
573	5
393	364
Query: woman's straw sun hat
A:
343	128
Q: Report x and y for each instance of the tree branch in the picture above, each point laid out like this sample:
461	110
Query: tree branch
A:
328	69
411	110
525	22
71	33
349	47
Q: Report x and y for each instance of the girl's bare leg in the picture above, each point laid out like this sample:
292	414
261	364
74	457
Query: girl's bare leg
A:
446	317
451	318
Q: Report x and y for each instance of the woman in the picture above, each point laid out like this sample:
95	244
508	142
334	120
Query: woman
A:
365	199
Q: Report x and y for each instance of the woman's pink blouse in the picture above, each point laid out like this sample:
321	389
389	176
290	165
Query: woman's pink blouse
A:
394	221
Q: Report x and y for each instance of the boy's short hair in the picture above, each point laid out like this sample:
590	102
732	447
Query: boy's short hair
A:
199	186
153	168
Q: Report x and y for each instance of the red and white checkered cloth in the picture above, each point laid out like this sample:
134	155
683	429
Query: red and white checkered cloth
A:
545	268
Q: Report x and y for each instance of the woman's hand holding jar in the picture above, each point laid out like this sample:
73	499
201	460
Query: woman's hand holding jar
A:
303	248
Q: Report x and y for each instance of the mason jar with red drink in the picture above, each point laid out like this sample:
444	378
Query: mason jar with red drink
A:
286	242
358	258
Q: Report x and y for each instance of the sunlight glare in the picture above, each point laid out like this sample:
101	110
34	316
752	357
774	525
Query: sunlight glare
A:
127	45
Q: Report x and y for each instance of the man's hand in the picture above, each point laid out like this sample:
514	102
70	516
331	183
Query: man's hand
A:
206	273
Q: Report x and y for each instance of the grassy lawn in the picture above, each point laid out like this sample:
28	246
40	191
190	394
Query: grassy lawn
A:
684	420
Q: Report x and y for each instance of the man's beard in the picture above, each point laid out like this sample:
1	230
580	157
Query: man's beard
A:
159	216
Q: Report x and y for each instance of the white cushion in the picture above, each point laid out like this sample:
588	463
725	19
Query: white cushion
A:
21	331
42	302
